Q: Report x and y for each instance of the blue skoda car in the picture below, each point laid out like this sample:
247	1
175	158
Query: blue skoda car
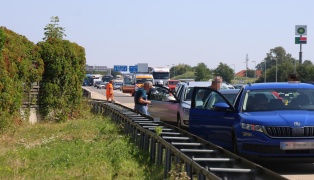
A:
267	121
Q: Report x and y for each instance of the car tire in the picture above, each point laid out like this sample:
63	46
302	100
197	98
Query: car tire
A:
235	145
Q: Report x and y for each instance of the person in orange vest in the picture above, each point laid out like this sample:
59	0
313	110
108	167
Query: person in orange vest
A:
109	91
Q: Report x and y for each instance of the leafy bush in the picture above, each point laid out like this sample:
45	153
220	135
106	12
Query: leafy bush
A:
61	92
20	66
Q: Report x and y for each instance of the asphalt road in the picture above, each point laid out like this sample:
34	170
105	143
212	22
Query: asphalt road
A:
293	171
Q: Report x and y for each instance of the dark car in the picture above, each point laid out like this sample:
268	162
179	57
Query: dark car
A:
260	124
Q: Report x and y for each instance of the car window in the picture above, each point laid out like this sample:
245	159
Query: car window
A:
188	94
278	99
213	99
202	95
180	91
160	94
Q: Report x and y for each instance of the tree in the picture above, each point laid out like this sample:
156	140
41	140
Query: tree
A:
202	73
180	69
225	72
53	31
61	92
250	73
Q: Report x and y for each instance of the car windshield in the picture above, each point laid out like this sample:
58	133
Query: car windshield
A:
278	99
127	80
141	81
230	97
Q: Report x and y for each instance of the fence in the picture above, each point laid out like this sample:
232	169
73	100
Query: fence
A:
168	144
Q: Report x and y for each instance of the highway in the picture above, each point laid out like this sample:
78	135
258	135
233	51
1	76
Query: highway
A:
293	171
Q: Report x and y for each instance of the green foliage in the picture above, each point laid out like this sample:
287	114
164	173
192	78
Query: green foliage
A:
80	149
61	92
225	72
53	31
202	73
158	130
20	66
179	69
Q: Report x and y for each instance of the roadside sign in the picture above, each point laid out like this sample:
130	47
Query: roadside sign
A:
300	30
300	40
120	68
133	69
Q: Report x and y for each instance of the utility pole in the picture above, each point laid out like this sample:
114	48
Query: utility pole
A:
265	72
174	71
254	68
246	61
233	72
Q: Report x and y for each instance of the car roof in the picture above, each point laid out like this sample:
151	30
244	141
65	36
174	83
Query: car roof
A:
229	91
199	83
290	85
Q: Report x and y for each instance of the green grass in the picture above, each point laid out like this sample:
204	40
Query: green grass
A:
91	148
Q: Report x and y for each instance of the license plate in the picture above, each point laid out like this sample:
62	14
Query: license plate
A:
296	145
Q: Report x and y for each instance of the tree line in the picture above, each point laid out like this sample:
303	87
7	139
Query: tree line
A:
57	63
286	65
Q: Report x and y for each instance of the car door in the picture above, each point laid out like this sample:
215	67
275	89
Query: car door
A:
164	104
212	117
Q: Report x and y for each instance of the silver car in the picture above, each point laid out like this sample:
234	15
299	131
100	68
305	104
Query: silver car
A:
117	85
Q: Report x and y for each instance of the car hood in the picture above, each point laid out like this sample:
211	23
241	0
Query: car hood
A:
293	118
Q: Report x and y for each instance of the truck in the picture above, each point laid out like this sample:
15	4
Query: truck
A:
139	79
142	68
107	78
160	74
128	86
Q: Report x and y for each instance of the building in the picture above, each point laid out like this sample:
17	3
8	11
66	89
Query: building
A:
242	73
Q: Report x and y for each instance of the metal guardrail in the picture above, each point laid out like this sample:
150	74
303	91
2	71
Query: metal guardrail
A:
200	158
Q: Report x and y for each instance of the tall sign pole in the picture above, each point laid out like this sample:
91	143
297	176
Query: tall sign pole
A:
301	31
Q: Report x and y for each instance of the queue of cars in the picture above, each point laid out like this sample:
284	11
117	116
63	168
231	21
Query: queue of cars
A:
262	121
176	108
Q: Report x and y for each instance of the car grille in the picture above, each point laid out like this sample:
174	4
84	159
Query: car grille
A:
290	132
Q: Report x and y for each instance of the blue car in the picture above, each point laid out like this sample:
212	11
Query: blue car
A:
267	121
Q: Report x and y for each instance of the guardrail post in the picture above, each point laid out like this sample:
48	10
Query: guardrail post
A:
146	142
167	163
188	170
201	176
152	150
159	154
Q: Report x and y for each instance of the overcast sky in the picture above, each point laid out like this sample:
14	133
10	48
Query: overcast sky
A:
166	32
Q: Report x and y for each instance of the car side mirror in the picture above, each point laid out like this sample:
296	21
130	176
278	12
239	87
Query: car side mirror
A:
222	106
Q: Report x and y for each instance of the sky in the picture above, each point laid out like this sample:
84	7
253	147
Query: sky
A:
169	32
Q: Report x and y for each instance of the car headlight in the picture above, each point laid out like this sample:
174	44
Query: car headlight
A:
186	110
252	127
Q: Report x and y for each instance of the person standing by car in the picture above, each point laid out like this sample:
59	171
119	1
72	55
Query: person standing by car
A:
140	98
109	91
216	83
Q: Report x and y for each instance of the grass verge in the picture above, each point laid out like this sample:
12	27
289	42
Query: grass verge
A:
77	149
